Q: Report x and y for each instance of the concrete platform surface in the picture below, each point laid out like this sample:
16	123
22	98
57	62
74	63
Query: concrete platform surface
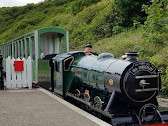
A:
38	107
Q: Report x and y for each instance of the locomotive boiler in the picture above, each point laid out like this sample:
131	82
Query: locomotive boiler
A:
123	89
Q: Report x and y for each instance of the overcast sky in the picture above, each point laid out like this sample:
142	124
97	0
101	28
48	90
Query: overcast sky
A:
11	3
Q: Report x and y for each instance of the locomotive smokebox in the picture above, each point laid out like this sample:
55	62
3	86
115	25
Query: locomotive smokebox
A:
132	56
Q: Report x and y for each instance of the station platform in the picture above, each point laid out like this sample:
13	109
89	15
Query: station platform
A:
39	107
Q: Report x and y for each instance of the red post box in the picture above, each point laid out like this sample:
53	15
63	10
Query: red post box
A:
18	66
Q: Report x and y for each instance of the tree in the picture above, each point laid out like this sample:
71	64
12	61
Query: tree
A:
131	10
157	20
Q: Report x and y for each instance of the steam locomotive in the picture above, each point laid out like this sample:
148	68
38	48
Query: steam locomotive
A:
123	89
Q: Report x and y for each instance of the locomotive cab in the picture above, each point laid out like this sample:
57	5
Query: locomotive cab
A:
62	74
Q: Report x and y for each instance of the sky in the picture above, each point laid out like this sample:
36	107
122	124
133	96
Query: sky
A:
11	3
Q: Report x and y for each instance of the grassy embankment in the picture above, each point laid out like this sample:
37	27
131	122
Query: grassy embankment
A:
99	22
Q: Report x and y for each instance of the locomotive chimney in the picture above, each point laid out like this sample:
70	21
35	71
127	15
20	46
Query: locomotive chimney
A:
132	56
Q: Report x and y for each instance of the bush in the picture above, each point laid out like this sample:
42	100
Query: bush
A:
118	29
155	25
165	89
111	19
160	59
165	83
153	38
131	10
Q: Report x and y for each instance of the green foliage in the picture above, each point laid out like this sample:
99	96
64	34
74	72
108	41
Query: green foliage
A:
111	19
79	5
157	15
136	24
153	38
165	89
156	32
165	83
160	60
131	10
118	29
93	23
126	41
157	20
99	22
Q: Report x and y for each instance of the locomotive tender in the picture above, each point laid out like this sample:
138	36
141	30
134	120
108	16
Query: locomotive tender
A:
123	89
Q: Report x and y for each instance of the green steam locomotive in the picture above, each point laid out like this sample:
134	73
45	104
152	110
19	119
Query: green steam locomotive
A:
123	89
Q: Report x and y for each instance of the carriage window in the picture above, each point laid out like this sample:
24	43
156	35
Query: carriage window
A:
33	48
16	49
19	49
51	43
4	52
7	50
57	66
57	46
28	50
67	63
11	50
24	48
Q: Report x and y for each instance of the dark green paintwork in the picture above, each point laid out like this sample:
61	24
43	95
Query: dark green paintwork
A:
87	73
44	74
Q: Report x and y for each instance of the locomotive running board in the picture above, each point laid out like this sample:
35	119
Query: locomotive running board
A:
146	76
88	104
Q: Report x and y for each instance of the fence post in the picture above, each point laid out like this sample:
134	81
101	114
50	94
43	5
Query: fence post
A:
8	72
24	73
14	74
29	72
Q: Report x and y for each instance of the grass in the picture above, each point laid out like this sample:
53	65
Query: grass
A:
118	44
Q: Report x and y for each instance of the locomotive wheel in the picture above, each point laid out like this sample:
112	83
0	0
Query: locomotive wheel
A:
77	92
148	113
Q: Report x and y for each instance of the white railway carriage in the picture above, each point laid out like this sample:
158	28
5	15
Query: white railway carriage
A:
40	45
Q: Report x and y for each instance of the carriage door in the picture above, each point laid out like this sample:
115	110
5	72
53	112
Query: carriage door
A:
58	87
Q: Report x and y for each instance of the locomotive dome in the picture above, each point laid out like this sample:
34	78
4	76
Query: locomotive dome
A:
105	56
